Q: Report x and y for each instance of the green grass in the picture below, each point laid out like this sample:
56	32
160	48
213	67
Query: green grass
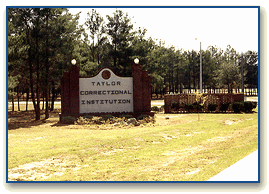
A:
185	150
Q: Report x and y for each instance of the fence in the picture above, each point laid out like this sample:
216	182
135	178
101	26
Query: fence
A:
217	99
247	92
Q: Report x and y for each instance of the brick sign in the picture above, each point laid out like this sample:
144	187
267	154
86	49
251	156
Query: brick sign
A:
105	93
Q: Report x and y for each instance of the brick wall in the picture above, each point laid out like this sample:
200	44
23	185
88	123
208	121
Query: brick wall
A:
191	98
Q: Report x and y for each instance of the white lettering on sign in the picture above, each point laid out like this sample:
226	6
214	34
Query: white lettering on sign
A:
105	92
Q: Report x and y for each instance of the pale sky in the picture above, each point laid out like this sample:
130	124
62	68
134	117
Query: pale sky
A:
181	26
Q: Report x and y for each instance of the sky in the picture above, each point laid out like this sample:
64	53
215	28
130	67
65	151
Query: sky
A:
185	28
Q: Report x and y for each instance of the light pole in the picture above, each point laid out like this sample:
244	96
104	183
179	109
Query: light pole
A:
201	72
242	73
201	69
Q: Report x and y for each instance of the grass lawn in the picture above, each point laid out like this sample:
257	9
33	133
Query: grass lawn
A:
180	148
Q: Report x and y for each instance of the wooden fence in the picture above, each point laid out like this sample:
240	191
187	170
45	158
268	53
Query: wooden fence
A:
217	99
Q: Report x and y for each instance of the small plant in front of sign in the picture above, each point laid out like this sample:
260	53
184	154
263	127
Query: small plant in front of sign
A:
125	117
68	120
143	119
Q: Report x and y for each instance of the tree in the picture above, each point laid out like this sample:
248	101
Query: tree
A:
251	69
12	83
45	37
95	23
119	29
228	75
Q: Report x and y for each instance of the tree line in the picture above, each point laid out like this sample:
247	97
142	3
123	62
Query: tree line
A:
43	41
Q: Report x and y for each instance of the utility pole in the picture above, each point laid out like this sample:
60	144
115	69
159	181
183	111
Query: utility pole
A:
242	73
201	70
201	79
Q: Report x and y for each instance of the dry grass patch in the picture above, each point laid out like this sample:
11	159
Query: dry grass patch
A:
44	169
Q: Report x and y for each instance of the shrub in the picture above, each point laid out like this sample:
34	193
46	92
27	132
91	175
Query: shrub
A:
254	104
237	107
97	120
175	105
107	117
162	108
145	119
83	121
224	106
155	108
187	107
125	117
249	106
212	107
141	117
198	106
68	119
88	116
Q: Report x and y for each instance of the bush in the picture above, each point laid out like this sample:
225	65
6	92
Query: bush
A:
145	119
175	105
155	108
238	107
104	119
68	119
187	107
249	106
162	108
83	121
224	106
125	117
197	106
97	120
107	117
254	104
212	107
88	116
141	117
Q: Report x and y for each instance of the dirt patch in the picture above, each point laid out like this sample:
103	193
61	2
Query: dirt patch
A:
164	120
156	142
169	137
219	139
112	152
44	169
229	122
169	153
193	172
